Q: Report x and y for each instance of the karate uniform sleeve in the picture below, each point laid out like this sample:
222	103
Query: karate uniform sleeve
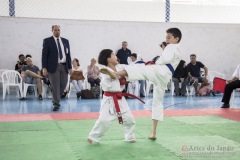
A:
167	55
108	84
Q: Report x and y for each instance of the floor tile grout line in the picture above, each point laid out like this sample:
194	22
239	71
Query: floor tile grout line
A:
68	141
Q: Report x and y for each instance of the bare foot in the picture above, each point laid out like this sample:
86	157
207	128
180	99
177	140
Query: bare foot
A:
132	141
106	71
152	137
89	141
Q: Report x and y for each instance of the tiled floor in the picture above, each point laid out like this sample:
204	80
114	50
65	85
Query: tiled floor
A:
11	105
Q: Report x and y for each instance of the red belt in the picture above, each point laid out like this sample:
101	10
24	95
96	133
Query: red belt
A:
116	96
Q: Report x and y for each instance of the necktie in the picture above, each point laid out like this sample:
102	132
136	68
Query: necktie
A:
59	50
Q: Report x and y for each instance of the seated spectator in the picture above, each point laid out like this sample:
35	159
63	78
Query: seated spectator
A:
77	82
205	90
180	76
31	75
194	68
133	85
93	73
232	84
20	63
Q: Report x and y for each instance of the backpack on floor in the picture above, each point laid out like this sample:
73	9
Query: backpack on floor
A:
96	91
86	94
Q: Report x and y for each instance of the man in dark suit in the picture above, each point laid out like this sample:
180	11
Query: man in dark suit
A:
56	62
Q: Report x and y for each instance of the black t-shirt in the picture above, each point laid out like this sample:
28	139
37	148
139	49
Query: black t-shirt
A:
180	73
123	55
195	69
22	63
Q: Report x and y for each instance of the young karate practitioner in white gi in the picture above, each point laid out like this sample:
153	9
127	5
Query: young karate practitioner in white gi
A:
108	110
159	74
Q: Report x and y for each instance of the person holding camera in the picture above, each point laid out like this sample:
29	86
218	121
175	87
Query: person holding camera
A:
21	62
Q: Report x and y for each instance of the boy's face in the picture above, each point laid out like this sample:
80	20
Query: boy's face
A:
113	59
133	58
170	39
22	58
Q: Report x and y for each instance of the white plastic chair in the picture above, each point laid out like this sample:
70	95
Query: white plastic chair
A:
233	97
148	86
134	88
1	71
44	91
11	78
25	87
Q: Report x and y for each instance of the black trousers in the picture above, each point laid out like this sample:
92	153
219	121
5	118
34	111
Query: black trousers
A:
94	81
228	91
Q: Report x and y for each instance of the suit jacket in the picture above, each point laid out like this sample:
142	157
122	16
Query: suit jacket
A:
50	54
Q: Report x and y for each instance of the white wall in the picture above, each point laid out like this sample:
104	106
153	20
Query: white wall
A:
216	45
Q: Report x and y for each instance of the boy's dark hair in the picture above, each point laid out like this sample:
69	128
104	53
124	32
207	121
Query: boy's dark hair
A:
134	55
175	32
28	55
193	55
104	55
20	55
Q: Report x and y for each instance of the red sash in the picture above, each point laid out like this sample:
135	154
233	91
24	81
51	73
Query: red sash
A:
116	96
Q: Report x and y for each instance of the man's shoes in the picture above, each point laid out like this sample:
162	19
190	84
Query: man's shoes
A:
40	97
22	99
78	95
142	95
55	108
225	106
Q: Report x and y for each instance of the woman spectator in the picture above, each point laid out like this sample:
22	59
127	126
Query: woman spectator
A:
180	76
93	73
77	83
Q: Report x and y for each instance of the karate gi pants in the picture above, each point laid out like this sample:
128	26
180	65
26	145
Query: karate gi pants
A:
106	118
160	75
